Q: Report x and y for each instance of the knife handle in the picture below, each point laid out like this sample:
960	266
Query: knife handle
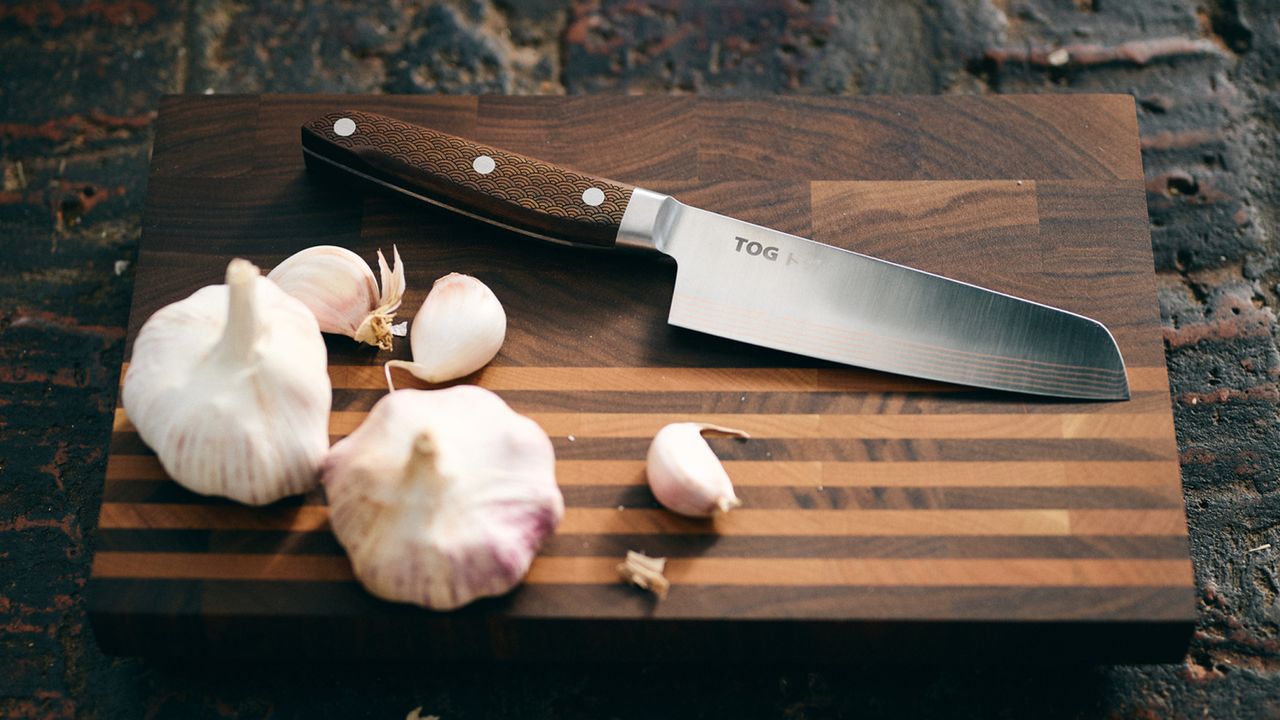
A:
504	188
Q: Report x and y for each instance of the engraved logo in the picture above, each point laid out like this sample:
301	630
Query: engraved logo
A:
751	247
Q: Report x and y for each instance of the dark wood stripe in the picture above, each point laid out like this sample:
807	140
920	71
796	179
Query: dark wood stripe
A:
866	498
699	571
322	542
1159	475
838	449
169	492
784	403
338	600
899	498
853	449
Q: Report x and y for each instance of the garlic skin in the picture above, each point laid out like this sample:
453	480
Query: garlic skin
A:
441	497
685	475
458	330
339	288
645	572
230	387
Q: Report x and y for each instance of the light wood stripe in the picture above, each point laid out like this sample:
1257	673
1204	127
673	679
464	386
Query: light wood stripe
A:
610	521
748	473
774	572
652	379
1127	522
1008	426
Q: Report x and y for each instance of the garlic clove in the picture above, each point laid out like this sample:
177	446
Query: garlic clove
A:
441	497
685	475
339	288
230	388
458	330
645	572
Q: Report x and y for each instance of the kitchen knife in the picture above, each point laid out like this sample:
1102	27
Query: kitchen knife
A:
743	281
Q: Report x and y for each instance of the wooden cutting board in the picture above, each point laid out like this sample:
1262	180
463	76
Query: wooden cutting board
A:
884	517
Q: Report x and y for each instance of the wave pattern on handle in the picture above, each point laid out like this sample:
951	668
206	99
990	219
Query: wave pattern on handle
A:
526	194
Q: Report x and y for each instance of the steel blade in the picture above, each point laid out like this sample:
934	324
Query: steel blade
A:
761	286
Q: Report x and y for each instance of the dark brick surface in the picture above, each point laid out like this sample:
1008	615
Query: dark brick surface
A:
78	91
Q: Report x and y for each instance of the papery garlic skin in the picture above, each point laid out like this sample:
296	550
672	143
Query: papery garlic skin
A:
230	388
458	330
441	497
339	288
685	475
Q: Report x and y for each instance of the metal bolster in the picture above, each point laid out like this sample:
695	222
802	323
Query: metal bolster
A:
647	218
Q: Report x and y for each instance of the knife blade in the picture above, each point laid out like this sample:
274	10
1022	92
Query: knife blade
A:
738	280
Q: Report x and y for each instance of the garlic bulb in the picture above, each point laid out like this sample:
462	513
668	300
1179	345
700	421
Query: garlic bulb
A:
230	388
442	496
685	476
339	288
458	330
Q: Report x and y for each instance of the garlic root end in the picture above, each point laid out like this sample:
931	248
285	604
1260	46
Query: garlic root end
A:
706	429
375	329
645	572
724	504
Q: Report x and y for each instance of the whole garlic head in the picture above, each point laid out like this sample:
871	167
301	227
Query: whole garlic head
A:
339	288
442	496
685	475
230	387
458	330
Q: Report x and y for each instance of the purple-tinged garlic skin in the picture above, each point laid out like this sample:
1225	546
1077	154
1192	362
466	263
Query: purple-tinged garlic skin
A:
339	288
685	475
230	387
441	497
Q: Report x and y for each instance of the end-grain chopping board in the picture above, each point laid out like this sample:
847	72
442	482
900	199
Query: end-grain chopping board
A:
883	516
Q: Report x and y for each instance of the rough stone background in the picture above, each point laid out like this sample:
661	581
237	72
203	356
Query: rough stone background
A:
79	85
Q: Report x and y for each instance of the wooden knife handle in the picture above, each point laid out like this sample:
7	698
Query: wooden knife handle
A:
500	187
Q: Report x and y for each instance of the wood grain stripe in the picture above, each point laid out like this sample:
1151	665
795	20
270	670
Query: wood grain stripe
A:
842	449
957	402
1155	474
637	495
684	379
322	542
876	449
1069	606
826	572
894	474
591	521
822	426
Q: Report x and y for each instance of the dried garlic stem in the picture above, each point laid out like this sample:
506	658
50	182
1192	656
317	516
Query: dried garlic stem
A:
375	329
645	572
242	317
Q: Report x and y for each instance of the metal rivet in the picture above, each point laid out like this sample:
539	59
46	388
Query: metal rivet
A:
593	196
344	127
483	164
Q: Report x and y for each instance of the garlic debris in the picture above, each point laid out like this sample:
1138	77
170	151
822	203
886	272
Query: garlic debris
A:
458	330
685	476
645	572
230	388
339	288
442	496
